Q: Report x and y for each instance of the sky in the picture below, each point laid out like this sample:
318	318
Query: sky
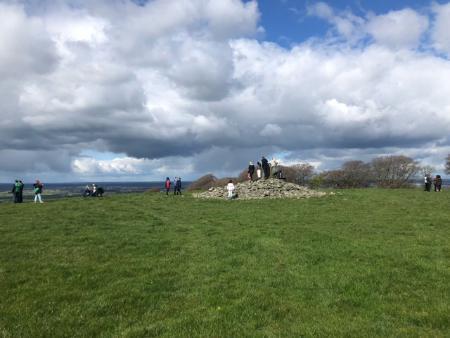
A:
121	90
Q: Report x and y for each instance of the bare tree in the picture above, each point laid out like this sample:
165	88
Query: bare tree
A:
304	172
298	173
447	165
394	171
333	178
357	174
427	170
353	174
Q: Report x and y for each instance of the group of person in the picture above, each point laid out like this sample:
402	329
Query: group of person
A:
18	187
176	185
93	191
436	181
264	169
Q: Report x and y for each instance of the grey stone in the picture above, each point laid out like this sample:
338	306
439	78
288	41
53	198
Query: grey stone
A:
271	188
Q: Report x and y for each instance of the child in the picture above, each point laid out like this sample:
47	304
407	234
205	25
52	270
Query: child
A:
230	188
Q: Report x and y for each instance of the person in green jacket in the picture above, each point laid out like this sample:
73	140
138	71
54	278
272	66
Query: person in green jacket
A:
16	191
38	186
21	191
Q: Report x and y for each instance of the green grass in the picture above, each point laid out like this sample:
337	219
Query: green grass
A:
362	263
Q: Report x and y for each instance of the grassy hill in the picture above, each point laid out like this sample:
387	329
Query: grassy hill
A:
361	263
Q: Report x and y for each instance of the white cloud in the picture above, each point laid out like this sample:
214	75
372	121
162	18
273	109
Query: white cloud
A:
398	29
196	92
395	29
345	23
441	28
129	166
125	165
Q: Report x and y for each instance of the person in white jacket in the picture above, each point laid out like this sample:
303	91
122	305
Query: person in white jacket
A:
230	188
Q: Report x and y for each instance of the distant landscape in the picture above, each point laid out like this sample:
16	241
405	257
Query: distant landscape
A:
60	190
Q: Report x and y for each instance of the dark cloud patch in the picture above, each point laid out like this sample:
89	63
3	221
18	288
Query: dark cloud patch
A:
29	161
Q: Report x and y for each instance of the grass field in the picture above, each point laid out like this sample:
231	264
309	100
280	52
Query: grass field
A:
361	263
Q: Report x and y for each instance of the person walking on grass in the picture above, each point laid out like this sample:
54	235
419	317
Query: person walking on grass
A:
21	191
38	187
167	185
175	180
230	188
437	183
15	191
178	186
427	181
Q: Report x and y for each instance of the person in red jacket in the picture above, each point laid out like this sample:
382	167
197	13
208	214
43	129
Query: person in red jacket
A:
167	185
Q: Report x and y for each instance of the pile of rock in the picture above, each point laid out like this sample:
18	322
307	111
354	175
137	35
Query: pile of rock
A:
271	188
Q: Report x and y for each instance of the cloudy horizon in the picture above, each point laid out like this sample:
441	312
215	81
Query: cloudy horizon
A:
140	90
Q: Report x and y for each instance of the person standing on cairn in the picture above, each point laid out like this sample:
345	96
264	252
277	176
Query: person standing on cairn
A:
259	171
251	171
274	168
265	167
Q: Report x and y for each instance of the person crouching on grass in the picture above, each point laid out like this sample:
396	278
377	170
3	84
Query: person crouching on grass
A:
230	188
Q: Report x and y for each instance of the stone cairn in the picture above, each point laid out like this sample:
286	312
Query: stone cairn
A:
271	188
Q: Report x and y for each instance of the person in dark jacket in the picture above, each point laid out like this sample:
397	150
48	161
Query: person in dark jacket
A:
427	182
178	186
251	171
167	185
100	192
437	183
21	191
87	191
265	167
